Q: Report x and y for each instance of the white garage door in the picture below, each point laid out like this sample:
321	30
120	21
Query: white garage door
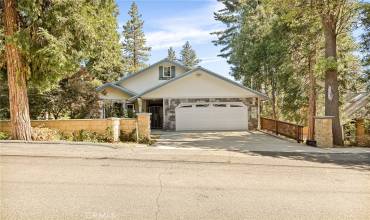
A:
212	116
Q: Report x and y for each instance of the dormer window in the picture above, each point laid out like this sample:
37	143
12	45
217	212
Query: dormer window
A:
167	72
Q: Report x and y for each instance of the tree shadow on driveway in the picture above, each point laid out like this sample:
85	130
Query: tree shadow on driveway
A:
261	144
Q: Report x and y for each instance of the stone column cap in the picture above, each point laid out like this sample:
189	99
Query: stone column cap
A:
324	117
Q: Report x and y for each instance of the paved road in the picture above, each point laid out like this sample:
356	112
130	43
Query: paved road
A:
51	187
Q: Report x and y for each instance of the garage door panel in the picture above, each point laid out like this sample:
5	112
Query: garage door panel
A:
212	116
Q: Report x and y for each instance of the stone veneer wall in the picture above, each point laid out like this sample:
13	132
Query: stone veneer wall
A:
171	104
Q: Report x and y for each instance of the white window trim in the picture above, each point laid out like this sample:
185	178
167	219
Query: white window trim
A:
130	104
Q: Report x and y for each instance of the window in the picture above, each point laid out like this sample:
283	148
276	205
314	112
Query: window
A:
186	106
219	105
130	110
167	71
201	105
235	106
130	106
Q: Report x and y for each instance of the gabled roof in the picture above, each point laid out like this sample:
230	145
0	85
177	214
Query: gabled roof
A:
113	85
193	70
150	66
355	102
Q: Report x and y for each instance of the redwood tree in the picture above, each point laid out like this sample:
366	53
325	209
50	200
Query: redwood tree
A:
336	18
17	76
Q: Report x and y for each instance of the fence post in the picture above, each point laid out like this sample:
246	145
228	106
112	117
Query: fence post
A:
276	127
360	133
324	131
297	132
115	125
143	121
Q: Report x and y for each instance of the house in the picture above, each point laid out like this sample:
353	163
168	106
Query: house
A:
357	105
180	98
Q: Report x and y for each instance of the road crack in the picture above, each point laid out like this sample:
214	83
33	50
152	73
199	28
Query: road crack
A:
160	191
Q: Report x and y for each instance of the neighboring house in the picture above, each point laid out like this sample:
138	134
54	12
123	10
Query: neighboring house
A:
179	98
357	105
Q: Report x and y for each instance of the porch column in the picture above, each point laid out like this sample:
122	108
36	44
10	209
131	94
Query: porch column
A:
101	108
140	105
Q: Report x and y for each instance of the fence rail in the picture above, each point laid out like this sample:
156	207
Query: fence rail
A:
283	128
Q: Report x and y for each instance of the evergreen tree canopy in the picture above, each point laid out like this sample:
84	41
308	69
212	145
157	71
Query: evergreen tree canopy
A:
272	46
188	56
56	37
135	51
171	54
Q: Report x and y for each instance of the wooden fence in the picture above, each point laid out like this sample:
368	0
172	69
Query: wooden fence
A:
283	128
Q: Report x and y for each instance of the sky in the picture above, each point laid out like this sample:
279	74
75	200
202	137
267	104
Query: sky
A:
173	22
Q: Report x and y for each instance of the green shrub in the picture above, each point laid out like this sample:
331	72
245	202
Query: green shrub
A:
44	134
4	136
128	137
67	136
89	136
131	137
145	140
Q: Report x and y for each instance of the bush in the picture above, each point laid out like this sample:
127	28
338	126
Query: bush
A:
128	137
89	136
44	134
4	136
145	140
131	137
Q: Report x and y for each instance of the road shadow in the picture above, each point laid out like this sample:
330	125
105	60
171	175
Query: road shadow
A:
261	144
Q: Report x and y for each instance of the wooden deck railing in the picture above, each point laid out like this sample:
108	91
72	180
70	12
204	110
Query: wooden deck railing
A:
283	128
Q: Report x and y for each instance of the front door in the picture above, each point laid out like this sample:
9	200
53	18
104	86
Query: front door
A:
156	119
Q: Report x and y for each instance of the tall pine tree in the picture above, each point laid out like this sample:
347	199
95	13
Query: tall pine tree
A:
188	56
135	52
171	54
365	43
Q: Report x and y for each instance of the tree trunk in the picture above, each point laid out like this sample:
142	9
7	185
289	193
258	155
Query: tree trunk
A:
312	98
18	99
331	79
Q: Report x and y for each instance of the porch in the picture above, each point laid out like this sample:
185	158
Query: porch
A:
125	109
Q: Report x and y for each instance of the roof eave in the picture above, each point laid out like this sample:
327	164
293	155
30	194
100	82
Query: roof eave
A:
100	88
150	66
259	94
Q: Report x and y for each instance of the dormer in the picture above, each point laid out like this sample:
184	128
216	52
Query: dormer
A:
153	75
166	72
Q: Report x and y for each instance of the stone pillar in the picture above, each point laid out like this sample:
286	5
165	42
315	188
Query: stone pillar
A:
259	113
115	126
360	133
324	131
143	122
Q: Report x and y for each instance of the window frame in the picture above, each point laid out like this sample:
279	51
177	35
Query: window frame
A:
164	72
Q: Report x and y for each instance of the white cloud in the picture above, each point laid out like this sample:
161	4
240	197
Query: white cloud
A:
195	27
